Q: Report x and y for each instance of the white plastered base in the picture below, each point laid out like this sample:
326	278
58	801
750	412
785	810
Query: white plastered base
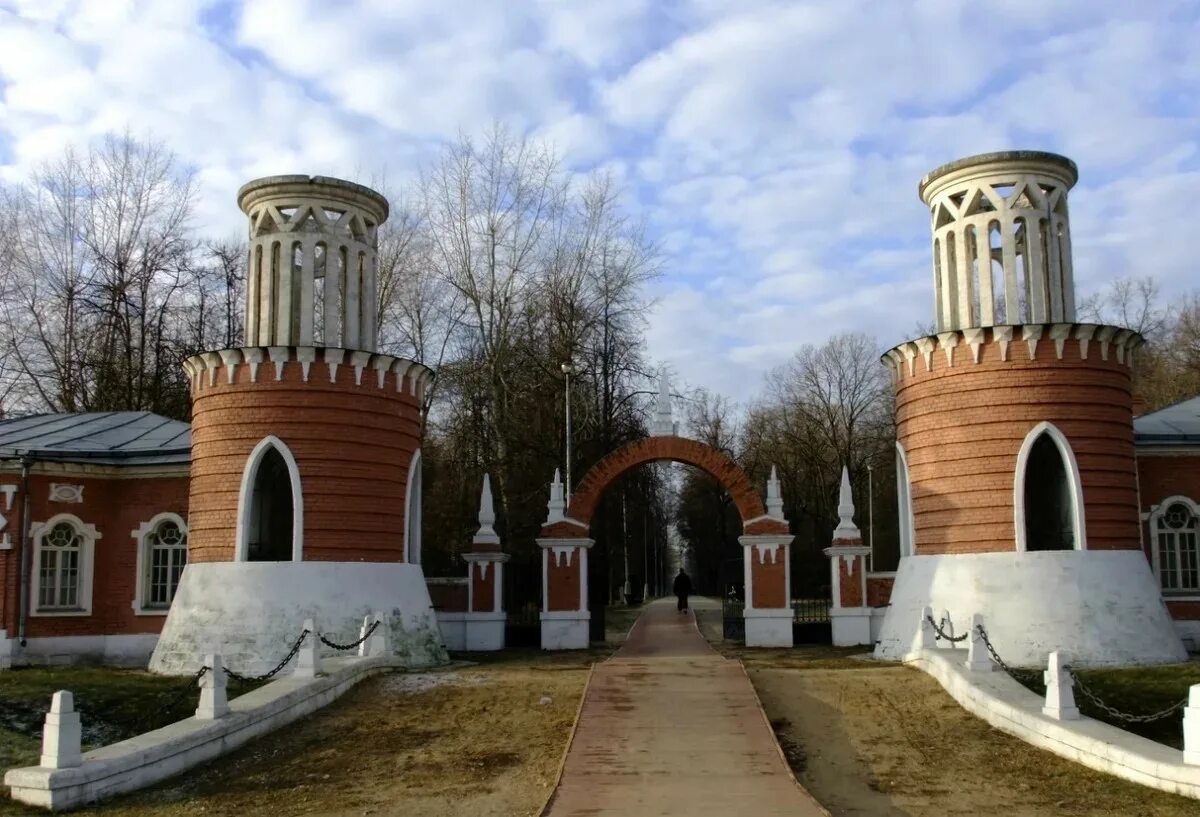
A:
768	628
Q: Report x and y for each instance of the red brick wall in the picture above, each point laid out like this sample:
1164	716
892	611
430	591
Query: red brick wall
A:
850	578
448	598
1161	476
352	442
962	427
484	588
116	507
769	579
562	581
879	590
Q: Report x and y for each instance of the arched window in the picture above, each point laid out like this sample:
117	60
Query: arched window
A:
1048	494
62	569
162	555
1175	526
271	506
904	503
412	512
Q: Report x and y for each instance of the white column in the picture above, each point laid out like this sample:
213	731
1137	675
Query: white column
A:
308	250
352	308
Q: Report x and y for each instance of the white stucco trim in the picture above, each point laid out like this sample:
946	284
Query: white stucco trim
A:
1156	512
139	536
904	503
87	560
248	475
1073	480
412	550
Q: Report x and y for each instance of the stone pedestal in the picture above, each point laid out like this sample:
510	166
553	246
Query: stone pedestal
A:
62	735
485	619
1191	727
565	616
768	610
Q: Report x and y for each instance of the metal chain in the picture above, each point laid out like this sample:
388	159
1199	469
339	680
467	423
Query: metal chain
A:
1118	714
940	634
147	723
1031	676
337	646
266	676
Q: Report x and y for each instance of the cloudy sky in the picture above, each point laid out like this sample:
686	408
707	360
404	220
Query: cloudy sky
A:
772	148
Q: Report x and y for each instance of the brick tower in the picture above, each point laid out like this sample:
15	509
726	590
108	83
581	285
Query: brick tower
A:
304	499
1015	457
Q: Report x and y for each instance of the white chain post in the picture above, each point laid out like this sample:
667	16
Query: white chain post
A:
362	635
63	734
214	702
926	638
1191	727
308	660
379	644
977	655
1060	698
947	625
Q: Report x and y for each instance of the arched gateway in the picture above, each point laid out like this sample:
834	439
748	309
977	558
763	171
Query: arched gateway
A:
565	540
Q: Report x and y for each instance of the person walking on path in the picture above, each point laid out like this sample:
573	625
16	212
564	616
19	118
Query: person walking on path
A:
682	589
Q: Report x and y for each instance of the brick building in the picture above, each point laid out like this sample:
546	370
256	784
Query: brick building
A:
94	510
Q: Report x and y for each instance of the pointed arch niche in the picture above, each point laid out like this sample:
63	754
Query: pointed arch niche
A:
1048	493
412	511
270	525
904	503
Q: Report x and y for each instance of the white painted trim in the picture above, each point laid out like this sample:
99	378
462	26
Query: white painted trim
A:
87	561
139	537
1156	512
904	503
413	555
1073	481
248	475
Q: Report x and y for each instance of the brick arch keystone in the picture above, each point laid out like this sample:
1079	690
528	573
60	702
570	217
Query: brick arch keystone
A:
656	449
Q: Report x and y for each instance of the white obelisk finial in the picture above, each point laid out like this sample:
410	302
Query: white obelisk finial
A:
663	426
557	506
774	496
846	529
487	516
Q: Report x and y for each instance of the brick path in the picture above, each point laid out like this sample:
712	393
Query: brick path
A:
669	727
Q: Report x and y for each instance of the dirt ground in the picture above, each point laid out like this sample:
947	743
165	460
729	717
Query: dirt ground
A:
435	744
887	740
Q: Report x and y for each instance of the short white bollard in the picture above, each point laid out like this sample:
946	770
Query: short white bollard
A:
362	635
926	637
1060	698
1191	727
380	642
308	660
62	737
214	702
978	659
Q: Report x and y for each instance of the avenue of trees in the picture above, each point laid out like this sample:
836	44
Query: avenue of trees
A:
496	267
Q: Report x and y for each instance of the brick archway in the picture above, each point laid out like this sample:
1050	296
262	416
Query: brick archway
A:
657	449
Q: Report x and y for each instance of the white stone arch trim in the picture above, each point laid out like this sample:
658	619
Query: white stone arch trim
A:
412	502
1156	512
904	503
87	561
139	537
1074	484
244	495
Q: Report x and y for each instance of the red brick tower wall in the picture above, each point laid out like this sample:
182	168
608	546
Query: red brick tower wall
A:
963	424
353	440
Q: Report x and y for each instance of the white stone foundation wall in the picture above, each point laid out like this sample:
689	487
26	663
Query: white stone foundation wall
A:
132	650
768	628
1189	632
252	612
472	632
1100	607
566	630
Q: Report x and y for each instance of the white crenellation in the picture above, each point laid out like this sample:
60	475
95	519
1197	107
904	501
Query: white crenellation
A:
1001	240
202	369
312	267
1123	342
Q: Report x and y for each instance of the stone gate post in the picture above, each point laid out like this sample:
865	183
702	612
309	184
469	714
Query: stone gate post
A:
485	618
565	617
767	550
850	616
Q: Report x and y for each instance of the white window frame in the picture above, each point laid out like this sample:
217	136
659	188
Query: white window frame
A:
141	588
1074	484
1156	513
904	504
241	545
87	552
412	504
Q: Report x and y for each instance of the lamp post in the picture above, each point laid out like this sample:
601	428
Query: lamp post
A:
871	512
567	370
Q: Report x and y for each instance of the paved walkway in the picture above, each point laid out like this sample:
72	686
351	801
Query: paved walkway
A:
669	727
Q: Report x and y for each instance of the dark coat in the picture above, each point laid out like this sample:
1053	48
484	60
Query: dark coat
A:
682	586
